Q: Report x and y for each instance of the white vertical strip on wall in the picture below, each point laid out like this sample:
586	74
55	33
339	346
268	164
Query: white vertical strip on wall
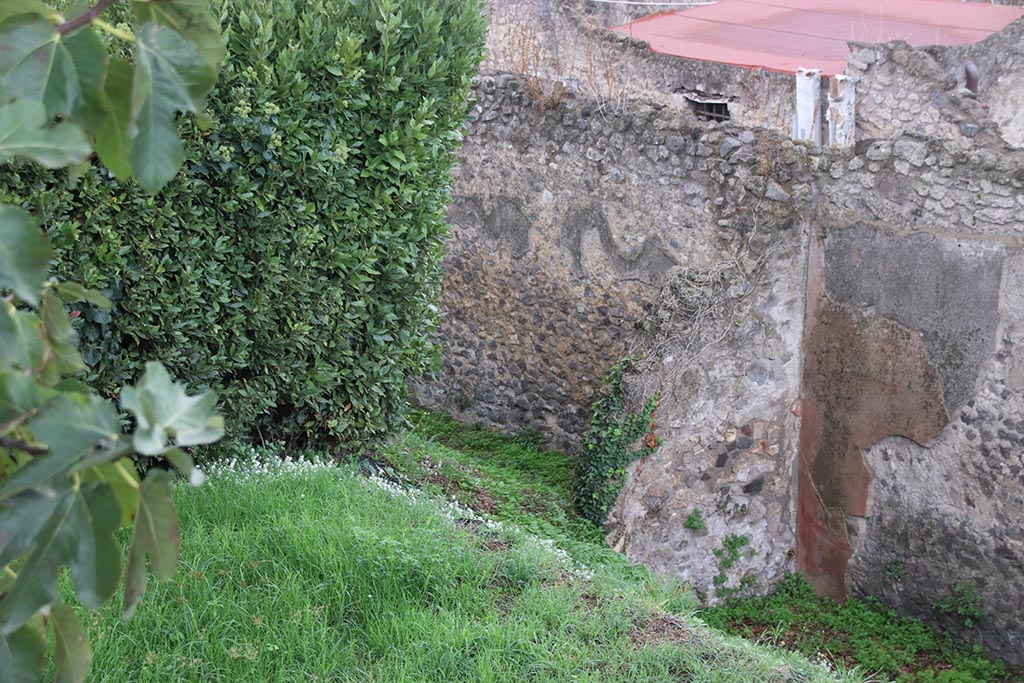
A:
807	120
842	97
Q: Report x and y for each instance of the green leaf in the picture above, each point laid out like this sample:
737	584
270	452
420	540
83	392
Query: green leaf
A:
167	416
12	8
170	76
36	585
81	59
72	386
123	480
96	570
24	133
192	19
23	653
24	254
37	63
20	397
77	425
72	654
79	533
204	121
81	431
183	462
156	535
62	338
110	121
21	520
72	291
20	339
27	42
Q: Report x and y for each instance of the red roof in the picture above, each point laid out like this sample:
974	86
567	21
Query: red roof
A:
784	35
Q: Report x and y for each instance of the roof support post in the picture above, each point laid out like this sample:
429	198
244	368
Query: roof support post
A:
841	115
807	119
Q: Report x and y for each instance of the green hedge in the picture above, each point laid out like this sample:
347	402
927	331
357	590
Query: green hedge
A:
293	264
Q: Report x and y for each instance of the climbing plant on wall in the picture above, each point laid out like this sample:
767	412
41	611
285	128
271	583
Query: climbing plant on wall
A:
617	436
67	478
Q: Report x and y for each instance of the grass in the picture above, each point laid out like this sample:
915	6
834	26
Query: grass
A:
459	559
306	573
508	479
511	474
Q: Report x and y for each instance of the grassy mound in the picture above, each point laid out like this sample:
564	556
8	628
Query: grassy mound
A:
298	572
453	556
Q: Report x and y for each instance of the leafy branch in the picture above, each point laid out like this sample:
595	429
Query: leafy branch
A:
86	18
23	446
67	483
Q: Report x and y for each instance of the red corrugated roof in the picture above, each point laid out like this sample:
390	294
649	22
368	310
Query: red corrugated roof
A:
784	35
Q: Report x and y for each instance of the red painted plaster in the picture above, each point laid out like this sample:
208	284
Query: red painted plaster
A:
864	378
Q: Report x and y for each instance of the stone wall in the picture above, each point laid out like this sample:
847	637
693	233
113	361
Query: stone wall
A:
567	222
566	42
1000	63
835	334
912	466
901	89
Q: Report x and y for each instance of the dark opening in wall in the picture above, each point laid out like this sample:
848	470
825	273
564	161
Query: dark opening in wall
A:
710	111
708	107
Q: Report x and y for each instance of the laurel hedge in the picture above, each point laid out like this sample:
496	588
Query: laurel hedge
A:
293	264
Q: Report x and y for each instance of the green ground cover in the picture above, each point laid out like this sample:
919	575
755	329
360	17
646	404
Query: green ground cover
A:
479	465
455	555
858	632
298	572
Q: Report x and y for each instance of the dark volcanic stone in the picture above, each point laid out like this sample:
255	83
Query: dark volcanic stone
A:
754	487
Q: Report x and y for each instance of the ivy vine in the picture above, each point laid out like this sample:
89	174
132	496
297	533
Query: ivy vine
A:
616	438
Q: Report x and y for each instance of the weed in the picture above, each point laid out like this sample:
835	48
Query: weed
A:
895	569
858	634
730	550
965	603
695	521
728	555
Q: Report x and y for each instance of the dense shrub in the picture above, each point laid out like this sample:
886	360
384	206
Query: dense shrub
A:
292	265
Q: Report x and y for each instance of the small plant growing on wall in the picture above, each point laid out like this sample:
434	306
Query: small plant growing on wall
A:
895	569
695	521
617	437
964	602
730	552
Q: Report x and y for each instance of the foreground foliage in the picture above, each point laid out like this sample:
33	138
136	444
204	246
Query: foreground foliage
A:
67	481
293	264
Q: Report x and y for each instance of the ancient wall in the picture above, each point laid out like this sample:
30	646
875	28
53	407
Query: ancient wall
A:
912	463
901	89
566	44
567	223
580	237
835	333
1000	63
